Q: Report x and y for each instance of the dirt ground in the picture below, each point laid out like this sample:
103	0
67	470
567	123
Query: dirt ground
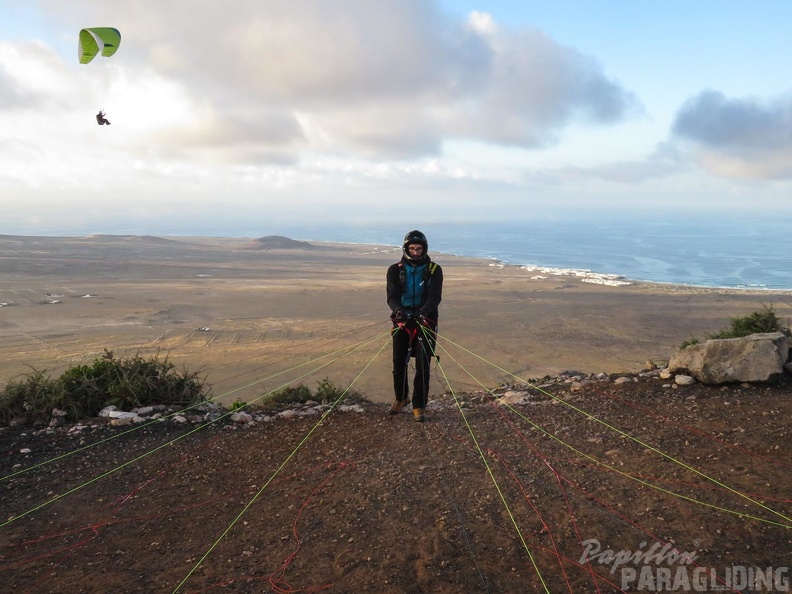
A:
480	498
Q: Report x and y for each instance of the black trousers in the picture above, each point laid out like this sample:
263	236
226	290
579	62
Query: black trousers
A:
421	347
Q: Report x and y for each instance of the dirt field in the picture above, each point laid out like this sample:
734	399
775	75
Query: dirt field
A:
478	499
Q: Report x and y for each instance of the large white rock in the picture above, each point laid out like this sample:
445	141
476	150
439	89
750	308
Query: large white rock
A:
754	358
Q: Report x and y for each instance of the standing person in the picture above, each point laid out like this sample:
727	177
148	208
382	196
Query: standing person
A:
414	289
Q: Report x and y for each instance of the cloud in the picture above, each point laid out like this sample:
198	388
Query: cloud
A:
392	79
535	89
742	137
31	76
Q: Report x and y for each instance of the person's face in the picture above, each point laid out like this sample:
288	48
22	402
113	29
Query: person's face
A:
415	249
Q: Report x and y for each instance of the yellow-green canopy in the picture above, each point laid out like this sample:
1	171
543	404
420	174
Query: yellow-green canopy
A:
106	39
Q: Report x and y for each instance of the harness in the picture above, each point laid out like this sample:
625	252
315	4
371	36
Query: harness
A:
413	328
427	273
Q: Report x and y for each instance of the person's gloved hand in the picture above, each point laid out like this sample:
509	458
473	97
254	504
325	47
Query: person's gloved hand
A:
400	316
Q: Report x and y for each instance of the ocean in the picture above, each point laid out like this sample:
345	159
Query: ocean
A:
726	250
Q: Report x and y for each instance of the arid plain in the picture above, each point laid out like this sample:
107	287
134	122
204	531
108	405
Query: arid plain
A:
255	315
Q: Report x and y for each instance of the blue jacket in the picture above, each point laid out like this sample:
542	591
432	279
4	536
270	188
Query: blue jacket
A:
413	288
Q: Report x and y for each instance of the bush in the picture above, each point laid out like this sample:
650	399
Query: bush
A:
329	392
757	322
82	391
33	398
761	321
300	394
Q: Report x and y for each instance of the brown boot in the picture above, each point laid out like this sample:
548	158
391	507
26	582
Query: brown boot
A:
397	407
418	414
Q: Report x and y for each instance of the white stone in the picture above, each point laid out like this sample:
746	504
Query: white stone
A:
105	412
754	358
120	414
351	408
513	397
241	417
684	380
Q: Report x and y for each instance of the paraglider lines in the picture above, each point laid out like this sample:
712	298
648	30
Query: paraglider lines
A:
494	481
559	477
338	354
624	434
152	451
275	474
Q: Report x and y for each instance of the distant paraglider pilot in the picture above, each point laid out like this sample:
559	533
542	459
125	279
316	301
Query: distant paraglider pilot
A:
414	291
100	118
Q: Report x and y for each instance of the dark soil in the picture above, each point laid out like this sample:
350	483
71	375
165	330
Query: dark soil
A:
495	500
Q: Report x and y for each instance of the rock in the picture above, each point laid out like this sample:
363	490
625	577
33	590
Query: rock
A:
148	410
120	414
121	421
105	412
113	412
356	408
622	380
513	397
754	358
684	380
241	417
18	421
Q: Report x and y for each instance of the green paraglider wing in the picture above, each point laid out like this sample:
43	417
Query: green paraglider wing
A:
106	39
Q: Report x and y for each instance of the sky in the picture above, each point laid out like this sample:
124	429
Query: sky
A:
239	117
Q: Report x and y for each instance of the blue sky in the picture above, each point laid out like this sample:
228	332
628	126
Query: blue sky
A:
359	112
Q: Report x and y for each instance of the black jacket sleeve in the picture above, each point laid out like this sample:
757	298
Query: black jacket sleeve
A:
394	288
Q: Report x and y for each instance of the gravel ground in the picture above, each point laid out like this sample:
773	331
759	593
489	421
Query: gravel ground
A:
481	498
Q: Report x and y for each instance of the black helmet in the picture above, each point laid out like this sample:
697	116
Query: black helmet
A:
411	238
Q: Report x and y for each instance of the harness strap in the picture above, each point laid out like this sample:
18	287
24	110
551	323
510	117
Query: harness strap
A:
411	330
427	273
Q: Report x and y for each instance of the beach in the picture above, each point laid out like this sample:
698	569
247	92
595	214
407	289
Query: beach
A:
257	316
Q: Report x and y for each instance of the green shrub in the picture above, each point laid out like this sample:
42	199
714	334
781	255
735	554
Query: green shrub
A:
687	343
82	391
761	321
757	322
300	394
33	398
329	392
